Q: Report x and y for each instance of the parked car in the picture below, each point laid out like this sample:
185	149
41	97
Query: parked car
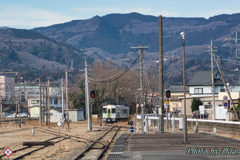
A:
22	115
11	115
197	115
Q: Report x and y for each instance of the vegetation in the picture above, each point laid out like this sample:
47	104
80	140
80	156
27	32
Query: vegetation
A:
121	91
196	102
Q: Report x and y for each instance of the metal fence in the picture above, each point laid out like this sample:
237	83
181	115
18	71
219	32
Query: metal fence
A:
155	123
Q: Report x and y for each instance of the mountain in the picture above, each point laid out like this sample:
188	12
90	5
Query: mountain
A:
29	51
109	38
114	34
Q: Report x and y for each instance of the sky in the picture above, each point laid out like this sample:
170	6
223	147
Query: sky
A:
28	14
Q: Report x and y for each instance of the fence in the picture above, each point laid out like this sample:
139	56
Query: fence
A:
153	123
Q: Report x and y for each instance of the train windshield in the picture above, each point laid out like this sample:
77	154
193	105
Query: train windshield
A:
113	110
104	110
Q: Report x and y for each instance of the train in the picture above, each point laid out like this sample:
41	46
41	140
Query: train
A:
112	113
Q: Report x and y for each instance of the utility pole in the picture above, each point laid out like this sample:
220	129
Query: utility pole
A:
236	39
48	102
62	104
86	90
67	114
224	82
212	76
161	74
141	48
184	89
40	103
1	110
90	116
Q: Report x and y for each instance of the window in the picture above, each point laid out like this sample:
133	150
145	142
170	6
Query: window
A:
125	111
35	102
104	110
55	101
198	90
113	110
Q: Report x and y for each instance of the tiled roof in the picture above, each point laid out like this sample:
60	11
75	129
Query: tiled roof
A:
177	88
203	78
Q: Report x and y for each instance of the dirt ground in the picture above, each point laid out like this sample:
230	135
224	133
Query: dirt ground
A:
13	137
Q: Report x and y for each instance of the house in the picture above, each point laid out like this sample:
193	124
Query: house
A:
201	83
175	103
200	86
31	94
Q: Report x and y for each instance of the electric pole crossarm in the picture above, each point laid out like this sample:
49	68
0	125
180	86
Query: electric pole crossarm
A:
140	47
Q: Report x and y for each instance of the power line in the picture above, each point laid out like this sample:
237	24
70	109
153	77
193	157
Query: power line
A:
125	71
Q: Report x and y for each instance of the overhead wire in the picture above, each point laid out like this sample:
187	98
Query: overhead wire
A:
108	79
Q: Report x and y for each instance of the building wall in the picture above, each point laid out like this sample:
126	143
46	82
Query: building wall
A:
174	102
208	100
6	85
55	116
234	95
34	112
206	89
76	115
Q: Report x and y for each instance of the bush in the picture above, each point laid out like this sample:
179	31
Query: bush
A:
196	102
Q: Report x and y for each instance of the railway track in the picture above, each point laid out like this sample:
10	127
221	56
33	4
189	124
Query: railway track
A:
72	137
14	131
27	150
96	150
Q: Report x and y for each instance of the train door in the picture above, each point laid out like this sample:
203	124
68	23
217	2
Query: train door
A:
109	112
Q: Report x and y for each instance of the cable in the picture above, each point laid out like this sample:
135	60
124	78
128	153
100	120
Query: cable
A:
126	70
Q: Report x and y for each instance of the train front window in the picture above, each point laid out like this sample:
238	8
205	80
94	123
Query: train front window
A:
104	110
113	110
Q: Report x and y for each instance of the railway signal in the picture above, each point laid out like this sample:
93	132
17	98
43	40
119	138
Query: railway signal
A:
168	93
92	93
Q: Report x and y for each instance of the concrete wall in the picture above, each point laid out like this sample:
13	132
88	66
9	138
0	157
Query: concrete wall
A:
221	127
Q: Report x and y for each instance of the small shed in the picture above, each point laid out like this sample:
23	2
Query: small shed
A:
34	111
76	115
55	114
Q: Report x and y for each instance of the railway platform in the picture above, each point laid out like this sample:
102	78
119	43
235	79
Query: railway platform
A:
170	146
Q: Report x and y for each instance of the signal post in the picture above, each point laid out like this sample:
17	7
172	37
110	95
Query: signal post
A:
92	95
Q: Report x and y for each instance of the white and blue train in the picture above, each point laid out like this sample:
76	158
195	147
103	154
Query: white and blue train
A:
112	113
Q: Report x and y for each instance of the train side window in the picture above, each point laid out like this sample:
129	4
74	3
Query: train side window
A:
125	111
113	110
104	110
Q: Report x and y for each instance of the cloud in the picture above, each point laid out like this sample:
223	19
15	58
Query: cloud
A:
21	16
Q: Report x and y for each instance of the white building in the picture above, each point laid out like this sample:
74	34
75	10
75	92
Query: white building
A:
6	86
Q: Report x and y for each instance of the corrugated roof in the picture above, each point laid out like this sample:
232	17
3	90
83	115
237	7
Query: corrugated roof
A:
203	78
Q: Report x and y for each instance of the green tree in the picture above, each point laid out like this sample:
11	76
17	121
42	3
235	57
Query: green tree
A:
195	104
